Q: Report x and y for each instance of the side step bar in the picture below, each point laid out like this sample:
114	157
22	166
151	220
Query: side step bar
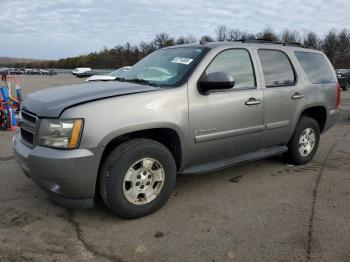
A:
216	165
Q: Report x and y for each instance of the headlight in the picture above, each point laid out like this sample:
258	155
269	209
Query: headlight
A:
60	133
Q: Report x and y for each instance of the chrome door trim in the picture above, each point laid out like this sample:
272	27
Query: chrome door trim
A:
229	133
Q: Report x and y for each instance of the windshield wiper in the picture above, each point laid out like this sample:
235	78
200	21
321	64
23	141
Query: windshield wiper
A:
141	81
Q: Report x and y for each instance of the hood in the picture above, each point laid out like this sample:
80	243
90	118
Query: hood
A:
51	102
100	77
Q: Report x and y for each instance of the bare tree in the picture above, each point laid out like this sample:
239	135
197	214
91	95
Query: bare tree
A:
181	40
268	34
146	48
221	33
329	45
343	42
290	37
248	36
234	34
205	39
191	39
163	40
311	40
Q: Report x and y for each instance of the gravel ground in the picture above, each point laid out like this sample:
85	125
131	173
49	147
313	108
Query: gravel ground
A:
262	211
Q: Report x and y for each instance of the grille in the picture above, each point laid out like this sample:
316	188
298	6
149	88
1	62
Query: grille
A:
28	126
27	136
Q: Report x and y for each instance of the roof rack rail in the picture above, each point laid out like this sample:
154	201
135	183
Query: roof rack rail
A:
259	40
296	44
267	41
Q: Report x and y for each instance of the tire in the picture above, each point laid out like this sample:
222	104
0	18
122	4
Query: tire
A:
4	121
346	87
295	154
132	157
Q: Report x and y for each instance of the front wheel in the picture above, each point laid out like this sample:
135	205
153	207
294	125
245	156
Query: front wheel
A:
304	142
137	178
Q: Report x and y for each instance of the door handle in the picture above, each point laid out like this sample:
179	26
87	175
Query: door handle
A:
252	102
297	96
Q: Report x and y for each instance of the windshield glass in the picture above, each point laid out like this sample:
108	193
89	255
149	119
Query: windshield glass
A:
166	67
119	72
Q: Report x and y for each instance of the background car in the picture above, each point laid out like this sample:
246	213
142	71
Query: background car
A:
80	70
52	72
33	71
85	74
111	76
44	71
343	76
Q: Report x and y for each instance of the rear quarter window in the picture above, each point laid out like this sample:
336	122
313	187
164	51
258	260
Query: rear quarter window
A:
316	67
277	68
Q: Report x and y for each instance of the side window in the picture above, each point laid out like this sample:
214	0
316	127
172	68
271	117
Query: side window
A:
316	67
237	63
277	68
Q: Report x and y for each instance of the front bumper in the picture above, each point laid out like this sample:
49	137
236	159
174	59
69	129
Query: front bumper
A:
69	175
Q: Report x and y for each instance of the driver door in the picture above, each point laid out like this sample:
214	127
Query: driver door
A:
227	122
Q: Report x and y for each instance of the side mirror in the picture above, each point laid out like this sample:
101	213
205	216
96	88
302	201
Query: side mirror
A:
216	81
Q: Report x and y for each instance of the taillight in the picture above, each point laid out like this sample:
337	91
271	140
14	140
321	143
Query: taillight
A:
338	96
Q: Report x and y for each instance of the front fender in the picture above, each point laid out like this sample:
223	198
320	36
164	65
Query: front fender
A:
107	119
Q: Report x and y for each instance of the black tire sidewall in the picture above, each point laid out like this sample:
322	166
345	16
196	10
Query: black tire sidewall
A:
117	202
294	155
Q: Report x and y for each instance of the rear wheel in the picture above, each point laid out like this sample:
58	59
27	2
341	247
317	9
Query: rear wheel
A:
137	178
4	121
346	87
304	142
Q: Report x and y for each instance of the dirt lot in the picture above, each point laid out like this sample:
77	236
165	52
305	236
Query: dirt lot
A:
262	211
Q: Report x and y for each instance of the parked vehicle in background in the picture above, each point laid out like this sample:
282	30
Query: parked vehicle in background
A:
80	70
27	71
343	76
34	71
52	72
4	71
86	74
44	72
111	76
181	110
17	71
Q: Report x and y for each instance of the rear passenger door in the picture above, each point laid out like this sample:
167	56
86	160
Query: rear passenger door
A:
283	96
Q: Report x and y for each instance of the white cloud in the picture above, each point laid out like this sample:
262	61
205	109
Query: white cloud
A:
53	29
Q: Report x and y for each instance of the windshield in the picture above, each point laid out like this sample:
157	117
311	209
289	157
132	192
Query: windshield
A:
166	67
119	72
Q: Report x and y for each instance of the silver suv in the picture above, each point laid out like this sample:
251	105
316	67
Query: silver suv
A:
181	110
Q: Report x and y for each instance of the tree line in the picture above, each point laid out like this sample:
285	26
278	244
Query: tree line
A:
335	44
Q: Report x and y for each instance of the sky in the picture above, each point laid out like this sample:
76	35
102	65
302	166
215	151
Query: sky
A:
45	29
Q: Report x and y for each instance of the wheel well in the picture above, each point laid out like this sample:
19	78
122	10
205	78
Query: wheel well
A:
318	113
166	136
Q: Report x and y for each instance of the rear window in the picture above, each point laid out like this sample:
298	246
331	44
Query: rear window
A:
277	68
316	67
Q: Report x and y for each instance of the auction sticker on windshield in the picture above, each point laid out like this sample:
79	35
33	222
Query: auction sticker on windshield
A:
182	60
